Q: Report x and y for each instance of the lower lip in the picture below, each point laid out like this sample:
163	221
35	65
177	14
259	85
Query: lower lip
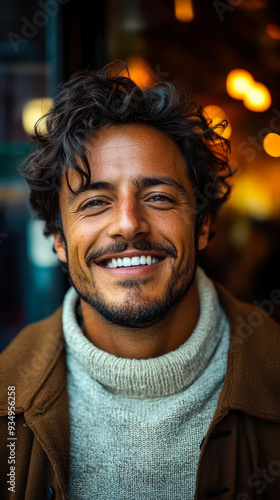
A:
132	271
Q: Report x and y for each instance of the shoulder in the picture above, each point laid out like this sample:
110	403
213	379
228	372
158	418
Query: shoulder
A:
253	367
26	362
249	324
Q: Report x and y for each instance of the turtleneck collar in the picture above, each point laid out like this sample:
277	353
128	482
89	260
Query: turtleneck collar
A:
153	377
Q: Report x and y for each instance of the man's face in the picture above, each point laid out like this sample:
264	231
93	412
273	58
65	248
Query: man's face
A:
130	237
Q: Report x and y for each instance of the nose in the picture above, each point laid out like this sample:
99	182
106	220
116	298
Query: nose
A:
128	220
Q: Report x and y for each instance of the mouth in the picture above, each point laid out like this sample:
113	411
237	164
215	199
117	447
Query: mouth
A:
131	264
136	261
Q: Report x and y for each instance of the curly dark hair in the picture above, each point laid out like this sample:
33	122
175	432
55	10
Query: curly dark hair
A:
90	100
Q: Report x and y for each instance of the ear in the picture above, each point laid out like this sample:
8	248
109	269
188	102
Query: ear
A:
204	233
60	248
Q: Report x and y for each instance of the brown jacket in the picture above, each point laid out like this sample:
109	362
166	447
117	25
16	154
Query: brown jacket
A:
240	454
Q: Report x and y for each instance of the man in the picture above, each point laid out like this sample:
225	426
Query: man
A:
163	391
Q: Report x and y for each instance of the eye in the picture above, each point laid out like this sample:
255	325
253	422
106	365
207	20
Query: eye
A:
161	198
161	201
94	203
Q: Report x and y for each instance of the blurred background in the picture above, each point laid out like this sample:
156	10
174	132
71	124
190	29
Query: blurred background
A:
227	52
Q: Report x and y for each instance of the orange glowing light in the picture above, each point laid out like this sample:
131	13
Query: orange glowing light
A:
140	71
217	115
184	11
271	145
257	195
258	98
273	30
238	83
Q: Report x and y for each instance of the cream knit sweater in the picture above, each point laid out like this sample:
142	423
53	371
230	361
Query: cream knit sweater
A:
136	425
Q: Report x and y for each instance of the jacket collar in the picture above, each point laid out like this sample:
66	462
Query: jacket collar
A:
36	355
251	383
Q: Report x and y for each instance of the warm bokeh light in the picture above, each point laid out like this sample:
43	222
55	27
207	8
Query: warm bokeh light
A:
273	30
34	110
256	193
238	83
217	115
184	11
258	98
140	71
271	144
249	198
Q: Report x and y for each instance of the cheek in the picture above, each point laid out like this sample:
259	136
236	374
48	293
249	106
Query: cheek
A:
178	227
80	238
179	231
87	235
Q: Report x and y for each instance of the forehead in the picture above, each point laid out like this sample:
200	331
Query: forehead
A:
132	151
134	137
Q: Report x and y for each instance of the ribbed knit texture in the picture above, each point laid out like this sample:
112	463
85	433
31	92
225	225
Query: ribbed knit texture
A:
136	425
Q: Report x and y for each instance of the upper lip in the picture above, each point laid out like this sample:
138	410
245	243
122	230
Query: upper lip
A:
130	254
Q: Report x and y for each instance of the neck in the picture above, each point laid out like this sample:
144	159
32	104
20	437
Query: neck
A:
144	343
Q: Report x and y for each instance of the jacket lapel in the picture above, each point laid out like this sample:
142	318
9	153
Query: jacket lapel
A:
35	363
252	378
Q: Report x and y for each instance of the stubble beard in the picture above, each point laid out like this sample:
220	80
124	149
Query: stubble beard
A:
145	313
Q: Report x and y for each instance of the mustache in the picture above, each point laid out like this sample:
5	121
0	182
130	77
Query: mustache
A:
143	245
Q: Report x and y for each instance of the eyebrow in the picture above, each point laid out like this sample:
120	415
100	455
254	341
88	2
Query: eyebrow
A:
139	183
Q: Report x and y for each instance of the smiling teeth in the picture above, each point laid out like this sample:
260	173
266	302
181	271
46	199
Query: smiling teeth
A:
134	261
